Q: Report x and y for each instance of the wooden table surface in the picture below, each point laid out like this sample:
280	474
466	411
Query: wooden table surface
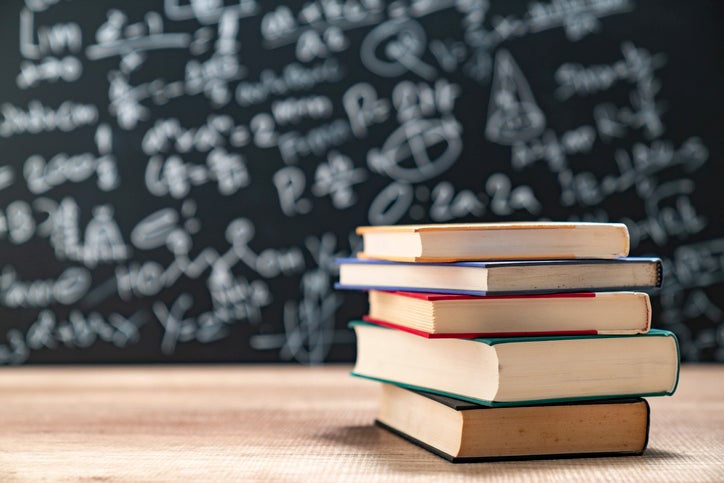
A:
291	423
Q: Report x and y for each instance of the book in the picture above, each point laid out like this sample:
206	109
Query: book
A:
495	241
464	432
467	316
501	278
521	370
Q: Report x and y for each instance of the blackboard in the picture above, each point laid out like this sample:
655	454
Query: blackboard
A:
177	177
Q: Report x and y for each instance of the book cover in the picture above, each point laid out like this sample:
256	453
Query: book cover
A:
495	241
454	315
509	371
501	277
463	432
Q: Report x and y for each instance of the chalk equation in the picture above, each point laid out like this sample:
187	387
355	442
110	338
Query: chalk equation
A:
177	177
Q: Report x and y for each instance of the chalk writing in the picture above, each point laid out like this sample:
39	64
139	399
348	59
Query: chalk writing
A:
51	69
405	155
43	41
577	18
181	174
281	26
395	47
7	177
636	65
206	11
117	37
294	145
67	289
446	204
39	118
168	135
336	179
42	175
78	331
364	108
293	78
513	114
17	222
309	324
174	177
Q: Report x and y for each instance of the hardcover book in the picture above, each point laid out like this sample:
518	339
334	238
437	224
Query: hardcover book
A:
521	370
500	278
495	241
450	315
464	432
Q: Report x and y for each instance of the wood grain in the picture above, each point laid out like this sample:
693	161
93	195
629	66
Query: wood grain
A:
290	423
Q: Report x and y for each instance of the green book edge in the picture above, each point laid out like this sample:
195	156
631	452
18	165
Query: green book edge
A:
489	341
502	404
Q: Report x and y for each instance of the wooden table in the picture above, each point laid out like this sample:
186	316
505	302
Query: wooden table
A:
290	423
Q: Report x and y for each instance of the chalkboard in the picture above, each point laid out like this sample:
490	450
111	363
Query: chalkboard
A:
177	177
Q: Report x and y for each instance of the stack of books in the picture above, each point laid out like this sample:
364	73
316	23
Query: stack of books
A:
511	340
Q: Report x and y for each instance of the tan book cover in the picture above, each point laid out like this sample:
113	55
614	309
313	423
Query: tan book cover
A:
464	432
452	315
495	241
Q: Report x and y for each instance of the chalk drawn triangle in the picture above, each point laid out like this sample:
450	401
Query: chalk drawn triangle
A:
513	114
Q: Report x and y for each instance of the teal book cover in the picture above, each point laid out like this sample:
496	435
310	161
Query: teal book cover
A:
510	371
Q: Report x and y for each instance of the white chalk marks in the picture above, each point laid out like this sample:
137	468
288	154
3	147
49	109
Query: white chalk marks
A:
177	177
513	114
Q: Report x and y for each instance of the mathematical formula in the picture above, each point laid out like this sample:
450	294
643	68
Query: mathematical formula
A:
188	170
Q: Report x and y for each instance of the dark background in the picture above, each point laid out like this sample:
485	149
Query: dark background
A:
594	110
